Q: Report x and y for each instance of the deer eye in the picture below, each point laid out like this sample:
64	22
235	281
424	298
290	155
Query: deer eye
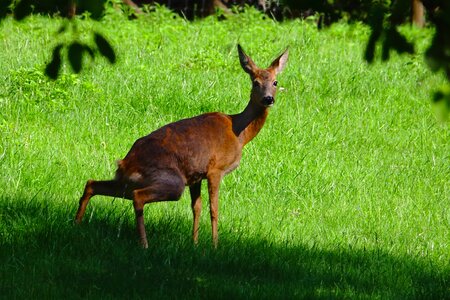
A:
275	83
255	83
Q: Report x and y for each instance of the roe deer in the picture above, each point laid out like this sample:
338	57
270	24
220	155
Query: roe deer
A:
160	165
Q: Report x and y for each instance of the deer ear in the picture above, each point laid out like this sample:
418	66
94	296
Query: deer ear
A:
246	62
279	63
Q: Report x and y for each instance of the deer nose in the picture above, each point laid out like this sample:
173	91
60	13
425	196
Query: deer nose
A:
268	101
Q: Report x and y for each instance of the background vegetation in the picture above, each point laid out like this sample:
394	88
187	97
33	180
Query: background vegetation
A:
343	194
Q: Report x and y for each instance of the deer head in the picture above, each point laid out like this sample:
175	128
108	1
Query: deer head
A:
264	83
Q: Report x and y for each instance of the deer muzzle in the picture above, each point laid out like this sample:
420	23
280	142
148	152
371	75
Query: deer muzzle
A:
268	101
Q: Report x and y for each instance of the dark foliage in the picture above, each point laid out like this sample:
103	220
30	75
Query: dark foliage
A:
65	8
104	47
52	68
75	54
24	8
383	17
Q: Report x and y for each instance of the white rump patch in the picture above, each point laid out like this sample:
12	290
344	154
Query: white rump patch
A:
135	176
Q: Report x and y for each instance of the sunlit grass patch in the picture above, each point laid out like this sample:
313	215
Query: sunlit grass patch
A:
343	193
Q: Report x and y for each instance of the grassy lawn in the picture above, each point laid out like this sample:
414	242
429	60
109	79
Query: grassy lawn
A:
344	193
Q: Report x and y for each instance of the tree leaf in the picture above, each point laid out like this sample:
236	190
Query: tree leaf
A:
89	51
96	8
376	16
52	68
369	53
75	54
104	47
22	10
385	49
399	42
4	8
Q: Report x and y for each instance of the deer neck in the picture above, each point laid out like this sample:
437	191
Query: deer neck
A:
248	123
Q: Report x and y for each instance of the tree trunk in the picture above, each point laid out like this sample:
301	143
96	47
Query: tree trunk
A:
418	13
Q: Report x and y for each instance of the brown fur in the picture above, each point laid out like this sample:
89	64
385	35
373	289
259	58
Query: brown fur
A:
209	146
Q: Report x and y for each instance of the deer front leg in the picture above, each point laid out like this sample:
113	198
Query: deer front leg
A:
213	189
196	205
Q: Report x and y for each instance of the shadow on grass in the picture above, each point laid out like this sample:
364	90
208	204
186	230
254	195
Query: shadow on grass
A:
45	256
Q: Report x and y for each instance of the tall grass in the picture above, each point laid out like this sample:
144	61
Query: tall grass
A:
343	194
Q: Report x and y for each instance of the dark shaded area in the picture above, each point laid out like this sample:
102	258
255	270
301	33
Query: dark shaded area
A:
383	18
52	68
186	8
75	52
56	259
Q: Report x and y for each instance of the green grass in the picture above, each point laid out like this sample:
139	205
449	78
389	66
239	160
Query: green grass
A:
344	193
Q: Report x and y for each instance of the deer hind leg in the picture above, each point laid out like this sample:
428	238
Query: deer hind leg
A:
168	186
111	188
196	205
